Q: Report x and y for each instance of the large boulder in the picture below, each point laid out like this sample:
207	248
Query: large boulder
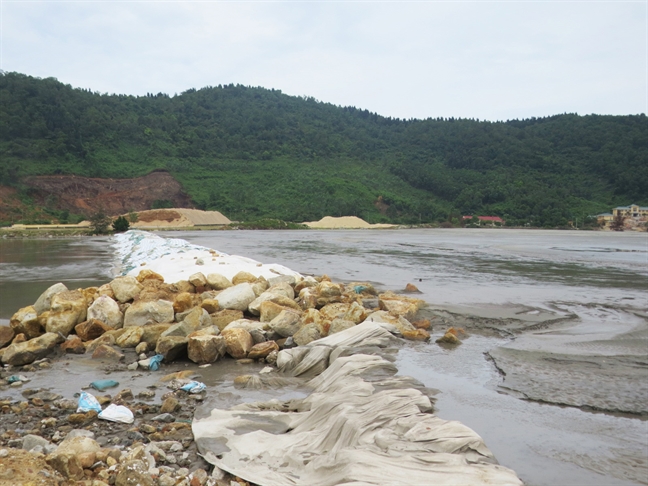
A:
203	349
243	277
247	324
259	286
131	337
73	345
307	334
198	318
356	313
218	282
44	301
269	310
286	323
402	324
194	320
237	297
106	352
328	289
334	311
198	280
239	342
91	329
152	333
400	305
284	289
67	309
183	302
148	274
125	288
288	279
308	298
255	305
171	347
261	350
141	313
29	351
339	325
66	458
6	335
222	318
26	322
107	311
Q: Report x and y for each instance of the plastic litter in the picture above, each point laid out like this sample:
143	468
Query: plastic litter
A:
15	378
87	403
117	413
360	288
154	362
194	387
101	385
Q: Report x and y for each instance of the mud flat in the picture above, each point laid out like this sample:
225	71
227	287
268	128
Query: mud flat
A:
318	348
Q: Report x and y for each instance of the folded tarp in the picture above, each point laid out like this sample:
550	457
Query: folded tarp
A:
348	431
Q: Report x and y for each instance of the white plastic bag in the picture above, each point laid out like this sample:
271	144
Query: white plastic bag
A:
117	413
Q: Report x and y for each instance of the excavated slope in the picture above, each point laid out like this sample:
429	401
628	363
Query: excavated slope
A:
84	195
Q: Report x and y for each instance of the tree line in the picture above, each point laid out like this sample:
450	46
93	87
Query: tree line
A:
258	153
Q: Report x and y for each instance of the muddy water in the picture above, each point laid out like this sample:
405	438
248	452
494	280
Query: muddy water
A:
29	266
547	305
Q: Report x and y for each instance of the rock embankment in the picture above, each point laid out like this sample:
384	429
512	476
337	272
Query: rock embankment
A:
203	319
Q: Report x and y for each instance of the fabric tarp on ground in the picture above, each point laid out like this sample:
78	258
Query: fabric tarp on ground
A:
348	431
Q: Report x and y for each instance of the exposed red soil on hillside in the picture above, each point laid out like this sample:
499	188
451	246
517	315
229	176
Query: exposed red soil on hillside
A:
83	195
10	205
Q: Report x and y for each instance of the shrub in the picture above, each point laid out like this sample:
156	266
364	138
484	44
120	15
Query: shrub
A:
99	223
120	225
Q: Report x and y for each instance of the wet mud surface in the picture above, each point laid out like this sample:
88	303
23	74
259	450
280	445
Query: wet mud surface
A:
557	348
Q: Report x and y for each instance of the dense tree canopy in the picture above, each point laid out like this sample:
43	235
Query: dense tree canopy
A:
254	152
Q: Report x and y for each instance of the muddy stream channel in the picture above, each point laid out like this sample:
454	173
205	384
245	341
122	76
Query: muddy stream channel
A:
554	371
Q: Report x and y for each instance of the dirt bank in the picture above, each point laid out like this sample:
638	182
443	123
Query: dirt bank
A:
86	196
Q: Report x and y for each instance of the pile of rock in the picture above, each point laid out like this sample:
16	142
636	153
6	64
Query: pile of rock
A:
44	439
203	318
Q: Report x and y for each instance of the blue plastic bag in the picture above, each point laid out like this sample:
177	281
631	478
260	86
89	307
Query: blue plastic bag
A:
154	362
87	403
101	385
360	288
194	387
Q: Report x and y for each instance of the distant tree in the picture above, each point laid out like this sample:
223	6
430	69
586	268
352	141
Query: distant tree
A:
618	222
99	223
120	225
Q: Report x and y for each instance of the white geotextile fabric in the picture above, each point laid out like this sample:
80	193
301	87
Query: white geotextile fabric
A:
315	357
348	431
177	259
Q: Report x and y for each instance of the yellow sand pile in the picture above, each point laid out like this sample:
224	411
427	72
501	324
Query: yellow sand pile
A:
345	222
178	218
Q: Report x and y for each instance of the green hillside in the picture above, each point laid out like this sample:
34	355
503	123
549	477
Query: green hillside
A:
255	152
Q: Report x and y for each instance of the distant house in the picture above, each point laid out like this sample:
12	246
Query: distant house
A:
632	211
635	217
604	219
488	220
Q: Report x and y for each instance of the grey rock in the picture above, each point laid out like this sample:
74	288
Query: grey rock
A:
288	279
164	417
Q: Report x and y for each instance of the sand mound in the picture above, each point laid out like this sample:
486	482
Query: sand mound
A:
348	222
178	218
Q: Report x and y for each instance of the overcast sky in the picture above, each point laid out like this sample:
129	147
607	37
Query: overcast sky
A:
475	59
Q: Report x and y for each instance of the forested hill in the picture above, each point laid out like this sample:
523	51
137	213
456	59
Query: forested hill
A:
254	152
